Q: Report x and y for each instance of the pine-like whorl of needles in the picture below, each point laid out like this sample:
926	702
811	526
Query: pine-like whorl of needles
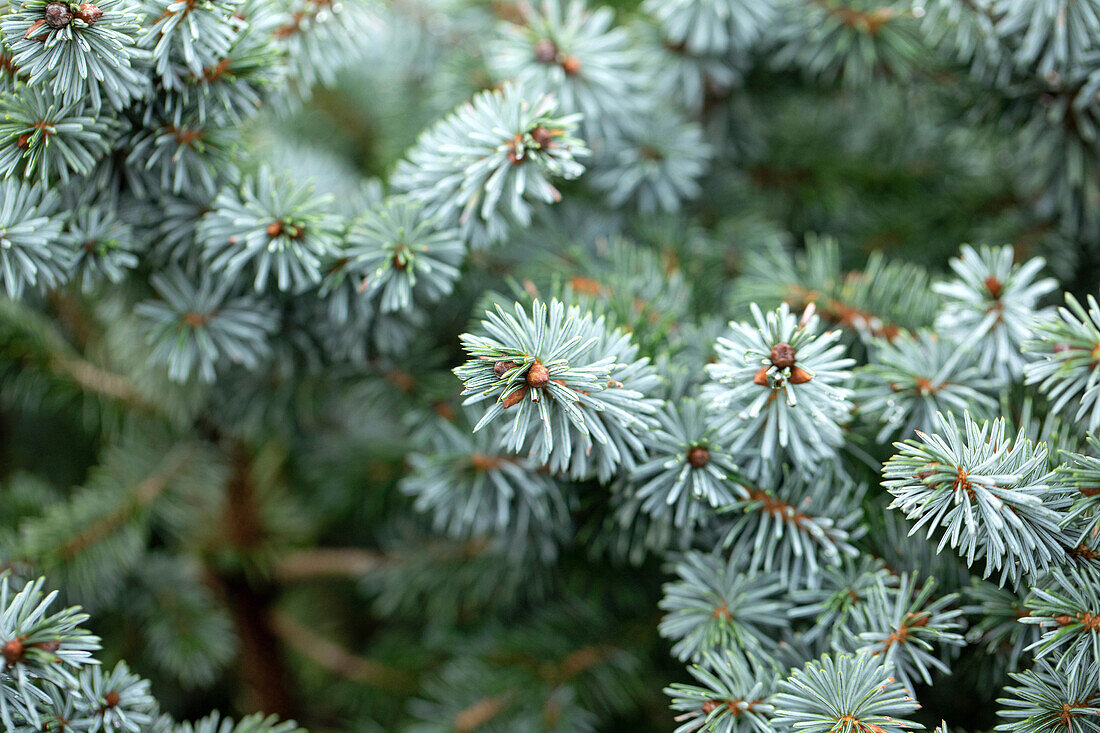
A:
1080	474
990	305
404	256
573	53
1048	700
187	158
796	525
33	251
196	34
733	695
854	42
774	387
85	57
688	473
42	138
1067	347
713	606
472	490
121	699
911	378
273	227
903	624
37	649
831	603
196	328
1065	606
711	26
655	166
543	371
995	498
105	249
485	167
844	694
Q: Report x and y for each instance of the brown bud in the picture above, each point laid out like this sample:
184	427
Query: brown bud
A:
698	456
88	13
542	136
799	376
782	355
111	699
23	141
35	26
514	398
275	228
993	285
537	375
761	377
571	65
502	367
12	651
710	706
58	15
546	51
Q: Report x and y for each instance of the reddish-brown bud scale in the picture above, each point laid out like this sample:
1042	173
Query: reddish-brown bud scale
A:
275	228
698	456
34	27
514	398
501	367
88	13
111	699
799	376
783	355
12	651
538	375
48	646
761	377
542	136
710	706
994	286
571	65
58	15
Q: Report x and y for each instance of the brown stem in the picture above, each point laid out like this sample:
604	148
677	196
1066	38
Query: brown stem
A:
262	667
334	658
324	562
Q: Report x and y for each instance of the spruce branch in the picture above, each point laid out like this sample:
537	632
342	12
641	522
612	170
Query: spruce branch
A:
1067	347
1066	608
733	696
797	526
773	390
713	605
403	256
903	623
556	370
688	473
197	328
563	49
486	166
844	694
33	251
991	304
912	378
272	228
45	139
1048	700
995	498
85	57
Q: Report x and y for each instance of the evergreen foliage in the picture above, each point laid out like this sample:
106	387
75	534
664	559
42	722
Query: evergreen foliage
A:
470	365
